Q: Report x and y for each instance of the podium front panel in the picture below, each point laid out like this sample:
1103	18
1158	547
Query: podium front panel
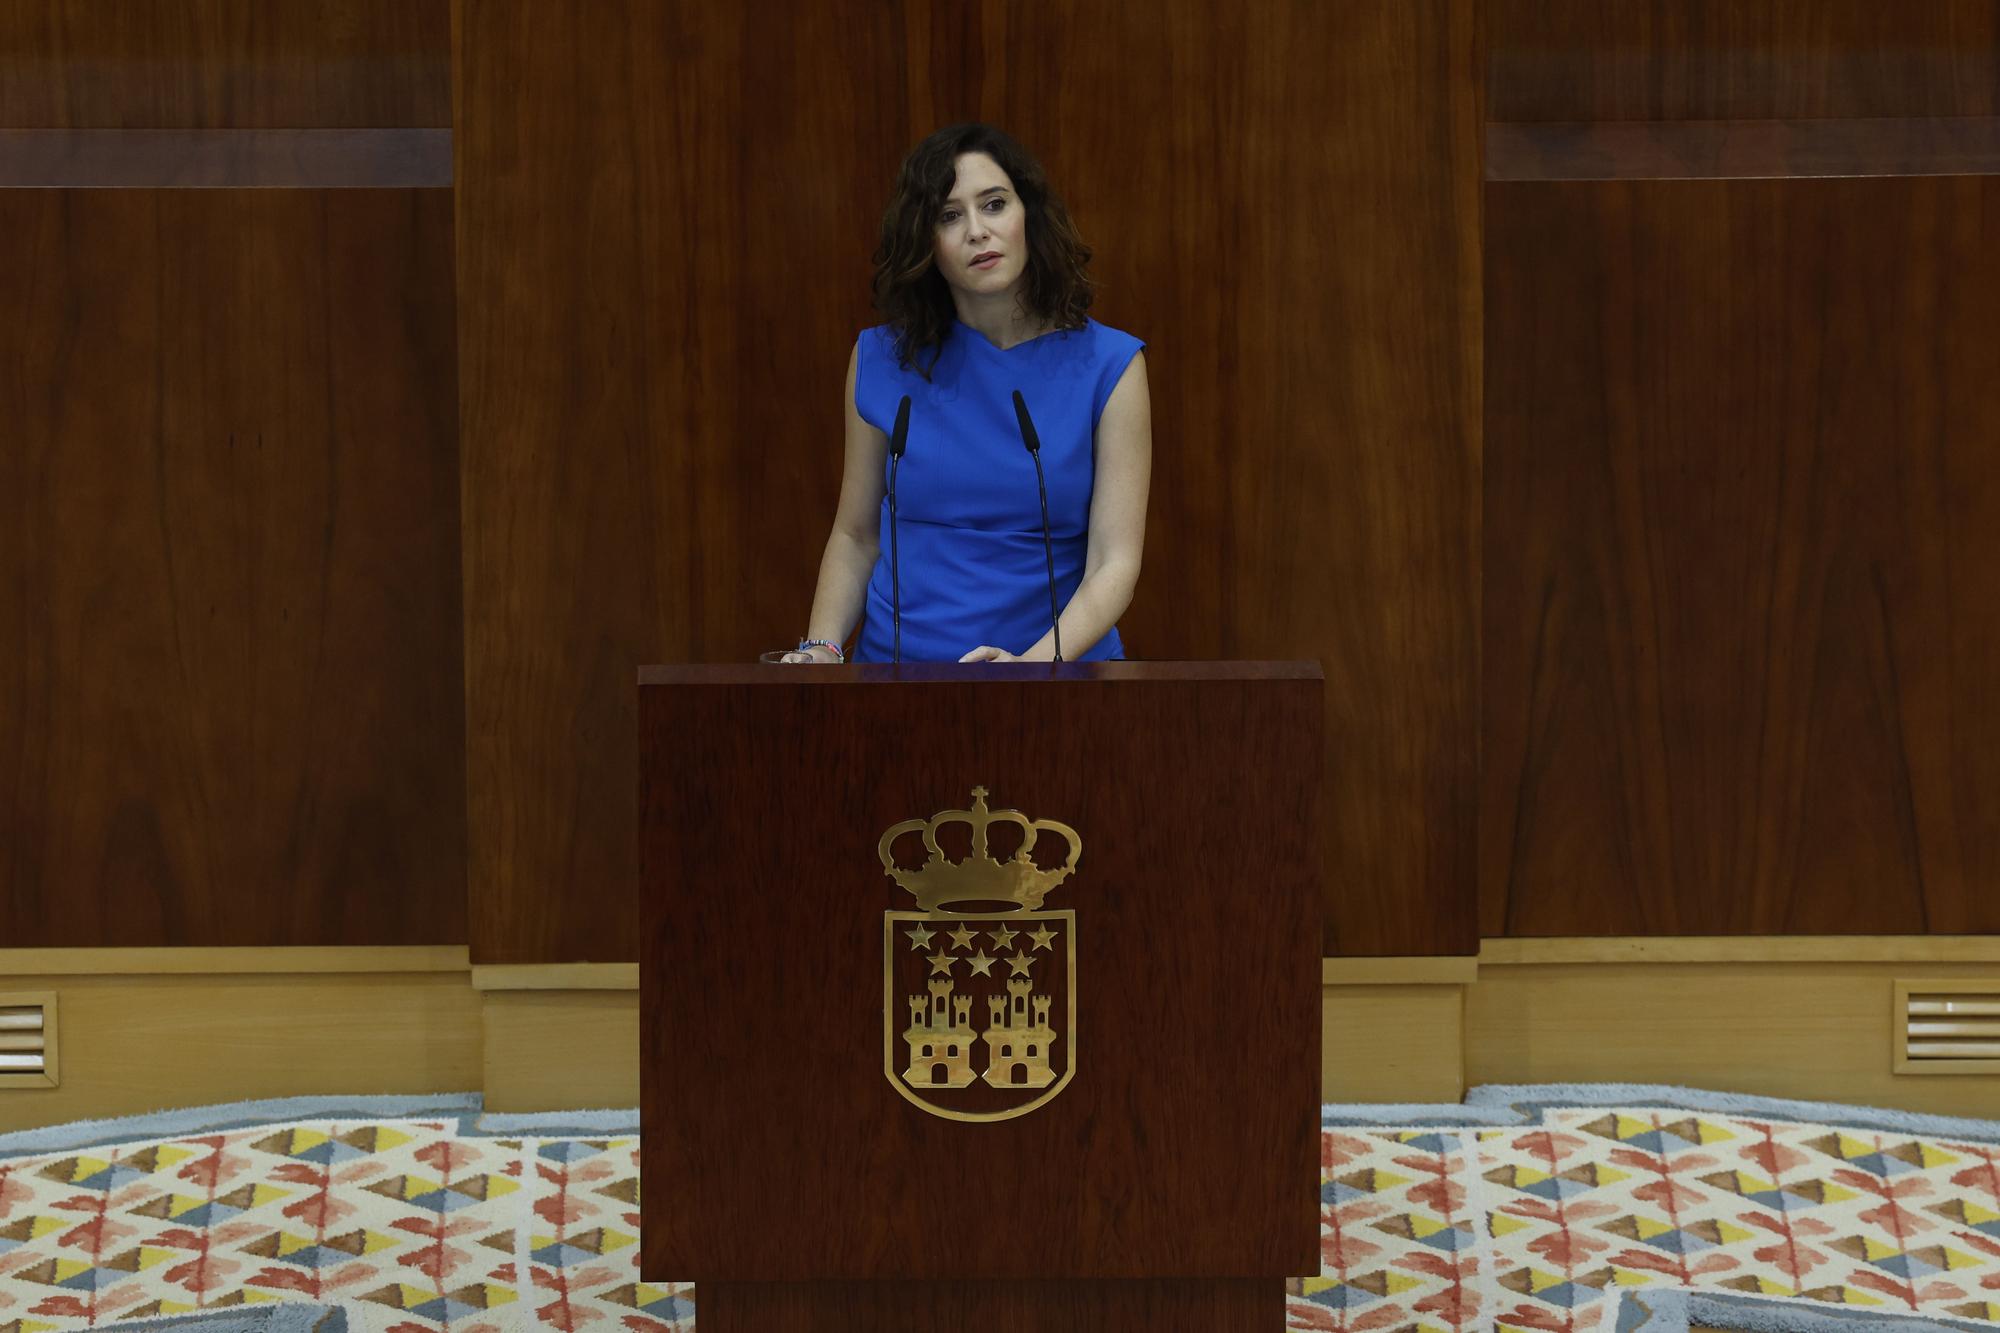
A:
794	1127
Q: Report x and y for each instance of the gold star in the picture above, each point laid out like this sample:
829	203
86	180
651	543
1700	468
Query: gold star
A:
1002	939
1020	963
941	962
1042	938
982	966
962	937
919	937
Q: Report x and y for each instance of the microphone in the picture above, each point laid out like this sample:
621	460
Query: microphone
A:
1034	444
898	441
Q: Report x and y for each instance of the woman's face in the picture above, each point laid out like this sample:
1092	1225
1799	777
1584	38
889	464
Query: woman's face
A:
982	217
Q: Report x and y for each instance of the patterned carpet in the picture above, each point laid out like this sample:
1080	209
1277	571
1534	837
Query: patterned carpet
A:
1555	1213
406	1222
1581	1217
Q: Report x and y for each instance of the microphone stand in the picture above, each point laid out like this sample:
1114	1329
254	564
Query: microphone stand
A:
897	443
1034	446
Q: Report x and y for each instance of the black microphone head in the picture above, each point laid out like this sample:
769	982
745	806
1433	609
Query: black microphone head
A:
901	438
1028	436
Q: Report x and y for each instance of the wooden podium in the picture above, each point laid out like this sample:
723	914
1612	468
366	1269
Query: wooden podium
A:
1000	1094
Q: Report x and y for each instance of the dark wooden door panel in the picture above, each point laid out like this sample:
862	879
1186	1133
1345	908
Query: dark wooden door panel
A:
1742	558
223	64
229	570
1581	60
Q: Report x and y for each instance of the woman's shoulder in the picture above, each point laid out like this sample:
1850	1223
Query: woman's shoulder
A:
875	351
879	345
1113	343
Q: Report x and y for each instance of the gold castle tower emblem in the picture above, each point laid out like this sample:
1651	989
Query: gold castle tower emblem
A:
996	952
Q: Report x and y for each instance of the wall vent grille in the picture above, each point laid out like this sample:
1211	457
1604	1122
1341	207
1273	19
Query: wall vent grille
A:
1948	1027
27	1041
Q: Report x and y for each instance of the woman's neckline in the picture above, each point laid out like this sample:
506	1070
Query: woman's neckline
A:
996	346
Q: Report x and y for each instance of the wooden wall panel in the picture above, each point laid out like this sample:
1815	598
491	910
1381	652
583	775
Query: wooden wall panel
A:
1743	149
230	703
1742	558
1580	60
210	64
1285	202
664	268
665	265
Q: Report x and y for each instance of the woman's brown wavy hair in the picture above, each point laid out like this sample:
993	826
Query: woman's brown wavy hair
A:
913	296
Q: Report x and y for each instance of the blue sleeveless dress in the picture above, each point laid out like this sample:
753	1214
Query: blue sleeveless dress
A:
969	517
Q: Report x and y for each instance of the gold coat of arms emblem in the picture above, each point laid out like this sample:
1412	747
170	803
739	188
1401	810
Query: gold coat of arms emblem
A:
979	1006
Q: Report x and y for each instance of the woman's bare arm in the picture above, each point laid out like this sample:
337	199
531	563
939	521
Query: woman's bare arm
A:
854	543
1124	474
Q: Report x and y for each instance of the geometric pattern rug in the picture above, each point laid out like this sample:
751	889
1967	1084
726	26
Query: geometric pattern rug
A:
1653	1208
375	1217
1594	1207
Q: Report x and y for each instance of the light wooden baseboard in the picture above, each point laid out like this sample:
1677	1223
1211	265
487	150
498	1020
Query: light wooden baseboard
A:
560	1050
1392	1043
145	1030
231	1025
562	1037
1819	1029
1808	1017
551	1045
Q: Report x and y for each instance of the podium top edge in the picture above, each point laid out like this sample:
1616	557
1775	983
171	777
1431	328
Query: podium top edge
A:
882	673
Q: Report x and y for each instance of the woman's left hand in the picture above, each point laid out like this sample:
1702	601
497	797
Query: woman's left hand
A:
988	653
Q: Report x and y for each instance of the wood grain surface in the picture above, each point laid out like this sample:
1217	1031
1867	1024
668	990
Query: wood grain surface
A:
1288	200
665	265
1244	1305
225	159
1186	1141
1580	60
1742	149
1742	558
133	1045
228	570
212	64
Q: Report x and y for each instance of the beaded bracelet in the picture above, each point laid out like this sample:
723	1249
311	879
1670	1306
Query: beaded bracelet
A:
828	644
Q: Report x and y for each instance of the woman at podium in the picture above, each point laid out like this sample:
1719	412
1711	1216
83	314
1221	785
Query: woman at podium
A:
981	275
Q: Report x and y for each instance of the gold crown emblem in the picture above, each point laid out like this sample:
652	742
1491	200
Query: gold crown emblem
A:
979	878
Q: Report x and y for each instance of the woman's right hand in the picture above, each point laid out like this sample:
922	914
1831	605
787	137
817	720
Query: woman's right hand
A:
811	656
